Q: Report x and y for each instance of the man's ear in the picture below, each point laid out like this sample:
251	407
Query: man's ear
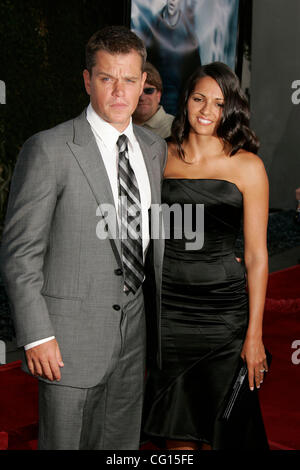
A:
158	94
144	77
87	81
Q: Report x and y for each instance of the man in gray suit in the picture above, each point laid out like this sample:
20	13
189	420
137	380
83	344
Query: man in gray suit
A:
80	320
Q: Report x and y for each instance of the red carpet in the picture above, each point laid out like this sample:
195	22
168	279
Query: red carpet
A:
283	294
18	408
280	394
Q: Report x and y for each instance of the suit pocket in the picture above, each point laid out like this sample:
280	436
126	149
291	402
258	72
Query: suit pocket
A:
66	307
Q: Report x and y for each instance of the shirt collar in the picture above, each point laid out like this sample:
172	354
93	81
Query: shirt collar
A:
106	132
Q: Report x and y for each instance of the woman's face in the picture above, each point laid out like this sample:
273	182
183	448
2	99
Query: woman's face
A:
205	107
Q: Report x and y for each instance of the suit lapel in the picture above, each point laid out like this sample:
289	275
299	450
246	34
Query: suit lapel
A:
149	153
86	152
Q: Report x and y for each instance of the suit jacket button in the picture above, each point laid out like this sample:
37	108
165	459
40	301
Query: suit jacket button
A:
116	307
118	272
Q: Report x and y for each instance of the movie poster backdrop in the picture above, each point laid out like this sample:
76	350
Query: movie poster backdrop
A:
180	35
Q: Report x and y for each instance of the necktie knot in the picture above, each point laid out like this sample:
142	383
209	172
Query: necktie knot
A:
122	142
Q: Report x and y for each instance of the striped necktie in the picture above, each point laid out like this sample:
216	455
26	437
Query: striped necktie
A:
130	220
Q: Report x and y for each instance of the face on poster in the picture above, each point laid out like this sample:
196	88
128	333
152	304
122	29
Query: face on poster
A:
180	35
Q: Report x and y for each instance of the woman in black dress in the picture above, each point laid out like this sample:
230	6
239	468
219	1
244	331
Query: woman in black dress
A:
208	320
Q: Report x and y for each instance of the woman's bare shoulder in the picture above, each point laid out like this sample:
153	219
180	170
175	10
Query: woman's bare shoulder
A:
247	157
248	163
250	168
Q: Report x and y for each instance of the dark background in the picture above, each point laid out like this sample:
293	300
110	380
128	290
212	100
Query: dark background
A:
42	58
275	64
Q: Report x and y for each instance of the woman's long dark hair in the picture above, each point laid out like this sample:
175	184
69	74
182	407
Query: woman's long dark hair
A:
234	125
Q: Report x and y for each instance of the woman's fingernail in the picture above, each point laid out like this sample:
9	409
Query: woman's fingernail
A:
252	388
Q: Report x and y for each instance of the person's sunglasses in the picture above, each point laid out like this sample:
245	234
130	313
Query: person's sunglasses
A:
149	91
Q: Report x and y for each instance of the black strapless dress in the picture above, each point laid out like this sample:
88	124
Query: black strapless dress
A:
203	326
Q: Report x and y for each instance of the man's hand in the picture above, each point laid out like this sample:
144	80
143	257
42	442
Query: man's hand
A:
45	360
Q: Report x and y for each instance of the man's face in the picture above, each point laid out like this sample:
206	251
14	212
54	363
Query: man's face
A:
148	103
114	86
173	6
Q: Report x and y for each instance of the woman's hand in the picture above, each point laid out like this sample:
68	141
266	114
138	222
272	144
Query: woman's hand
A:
253	353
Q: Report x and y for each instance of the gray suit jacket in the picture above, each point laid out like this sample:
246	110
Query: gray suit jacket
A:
60	277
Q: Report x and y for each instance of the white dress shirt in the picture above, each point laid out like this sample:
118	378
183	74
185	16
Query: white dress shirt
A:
106	137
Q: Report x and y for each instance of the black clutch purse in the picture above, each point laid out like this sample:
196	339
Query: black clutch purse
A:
239	388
